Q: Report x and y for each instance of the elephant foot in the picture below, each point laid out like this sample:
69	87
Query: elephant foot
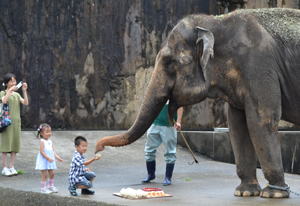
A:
274	193
247	190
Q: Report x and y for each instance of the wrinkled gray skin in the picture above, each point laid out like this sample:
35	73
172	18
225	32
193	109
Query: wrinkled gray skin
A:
249	58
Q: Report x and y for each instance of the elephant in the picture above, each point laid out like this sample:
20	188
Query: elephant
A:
250	59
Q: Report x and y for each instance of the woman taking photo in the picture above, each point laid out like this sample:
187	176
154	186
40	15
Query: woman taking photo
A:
10	139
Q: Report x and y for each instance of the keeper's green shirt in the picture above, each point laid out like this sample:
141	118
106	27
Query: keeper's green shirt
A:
163	119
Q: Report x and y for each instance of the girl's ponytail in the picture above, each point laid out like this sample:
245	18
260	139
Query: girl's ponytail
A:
41	127
39	131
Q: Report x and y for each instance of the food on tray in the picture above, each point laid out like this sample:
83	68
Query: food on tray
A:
154	192
151	189
141	193
132	193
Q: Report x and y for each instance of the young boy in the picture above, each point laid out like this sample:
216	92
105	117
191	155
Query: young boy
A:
79	176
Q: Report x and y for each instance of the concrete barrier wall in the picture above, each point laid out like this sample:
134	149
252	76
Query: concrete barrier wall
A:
12	197
217	145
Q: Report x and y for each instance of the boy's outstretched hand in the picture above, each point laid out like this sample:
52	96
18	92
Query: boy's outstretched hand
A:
97	156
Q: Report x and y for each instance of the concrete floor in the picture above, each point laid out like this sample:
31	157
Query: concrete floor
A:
206	183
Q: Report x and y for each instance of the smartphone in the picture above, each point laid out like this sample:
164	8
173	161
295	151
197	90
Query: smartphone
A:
19	85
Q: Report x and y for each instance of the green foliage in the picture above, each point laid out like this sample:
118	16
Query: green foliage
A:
20	172
188	179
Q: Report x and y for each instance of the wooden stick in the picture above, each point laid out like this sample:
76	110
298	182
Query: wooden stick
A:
186	143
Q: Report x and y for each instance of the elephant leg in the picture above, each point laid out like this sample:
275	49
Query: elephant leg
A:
262	120
244	154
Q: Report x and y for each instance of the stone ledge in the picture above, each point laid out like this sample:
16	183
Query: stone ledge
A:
10	196
217	145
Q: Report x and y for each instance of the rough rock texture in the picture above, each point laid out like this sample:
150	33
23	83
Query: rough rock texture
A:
88	63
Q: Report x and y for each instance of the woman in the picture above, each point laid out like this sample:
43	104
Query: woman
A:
10	140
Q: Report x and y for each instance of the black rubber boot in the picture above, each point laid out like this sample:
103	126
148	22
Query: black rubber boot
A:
87	192
151	172
169	173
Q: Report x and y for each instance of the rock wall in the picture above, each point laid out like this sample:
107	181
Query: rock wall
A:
87	63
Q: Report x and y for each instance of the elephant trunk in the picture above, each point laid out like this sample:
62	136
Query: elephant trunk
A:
154	100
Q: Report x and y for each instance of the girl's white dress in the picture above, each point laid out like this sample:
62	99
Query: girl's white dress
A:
41	162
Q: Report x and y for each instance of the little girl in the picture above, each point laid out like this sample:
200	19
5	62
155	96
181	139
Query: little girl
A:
46	158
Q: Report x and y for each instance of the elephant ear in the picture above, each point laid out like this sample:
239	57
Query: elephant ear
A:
208	44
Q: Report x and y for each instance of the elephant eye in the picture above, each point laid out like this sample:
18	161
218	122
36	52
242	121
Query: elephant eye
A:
168	61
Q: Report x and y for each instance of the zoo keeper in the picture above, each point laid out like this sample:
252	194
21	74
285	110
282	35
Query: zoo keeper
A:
162	131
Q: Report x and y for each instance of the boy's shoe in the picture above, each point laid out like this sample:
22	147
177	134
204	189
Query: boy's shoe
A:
6	172
13	171
87	192
53	189
46	191
73	191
